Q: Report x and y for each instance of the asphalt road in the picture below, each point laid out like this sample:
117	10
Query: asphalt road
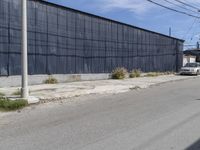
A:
164	117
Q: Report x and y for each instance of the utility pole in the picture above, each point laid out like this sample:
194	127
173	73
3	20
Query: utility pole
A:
198	46
170	31
24	57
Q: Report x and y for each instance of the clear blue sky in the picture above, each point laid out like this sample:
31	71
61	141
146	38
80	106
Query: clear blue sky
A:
143	14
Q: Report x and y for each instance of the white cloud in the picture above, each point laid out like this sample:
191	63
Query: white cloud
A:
136	6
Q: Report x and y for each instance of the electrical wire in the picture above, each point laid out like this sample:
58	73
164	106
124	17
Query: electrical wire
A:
182	12
189	29
178	11
195	3
188	4
193	34
180	6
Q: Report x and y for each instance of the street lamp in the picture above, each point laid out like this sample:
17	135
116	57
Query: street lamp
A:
24	57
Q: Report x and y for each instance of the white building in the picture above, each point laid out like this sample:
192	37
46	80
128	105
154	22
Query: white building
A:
188	59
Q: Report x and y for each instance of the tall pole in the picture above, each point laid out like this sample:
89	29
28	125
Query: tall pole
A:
170	31
24	59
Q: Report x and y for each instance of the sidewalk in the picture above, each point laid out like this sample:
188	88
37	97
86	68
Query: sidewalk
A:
50	92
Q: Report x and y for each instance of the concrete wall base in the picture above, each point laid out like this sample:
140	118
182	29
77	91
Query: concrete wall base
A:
14	81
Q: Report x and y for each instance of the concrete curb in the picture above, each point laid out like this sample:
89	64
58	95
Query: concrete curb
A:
54	92
127	90
31	99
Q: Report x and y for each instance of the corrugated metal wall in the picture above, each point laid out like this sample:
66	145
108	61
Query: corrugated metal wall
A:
63	41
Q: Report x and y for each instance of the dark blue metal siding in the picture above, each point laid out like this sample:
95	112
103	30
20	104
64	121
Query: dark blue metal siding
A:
65	41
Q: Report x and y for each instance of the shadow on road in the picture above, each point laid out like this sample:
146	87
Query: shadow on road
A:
194	146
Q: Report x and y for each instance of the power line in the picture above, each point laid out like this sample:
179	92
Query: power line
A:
180	6
178	11
190	28
181	12
195	3
187	4
193	34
